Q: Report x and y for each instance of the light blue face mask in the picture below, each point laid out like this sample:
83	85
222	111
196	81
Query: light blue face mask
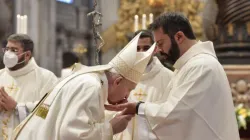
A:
10	59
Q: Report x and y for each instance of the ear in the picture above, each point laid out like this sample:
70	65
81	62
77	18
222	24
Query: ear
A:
28	55
118	80
179	37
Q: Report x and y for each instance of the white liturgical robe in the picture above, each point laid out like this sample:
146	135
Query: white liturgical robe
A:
199	105
26	86
150	89
74	110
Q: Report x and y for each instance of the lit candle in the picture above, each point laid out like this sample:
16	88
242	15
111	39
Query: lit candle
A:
136	23
18	23
22	25
25	24
144	19
151	18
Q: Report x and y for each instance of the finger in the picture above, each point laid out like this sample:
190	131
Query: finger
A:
123	106
4	94
126	111
112	108
3	105
123	112
123	101
127	117
1	90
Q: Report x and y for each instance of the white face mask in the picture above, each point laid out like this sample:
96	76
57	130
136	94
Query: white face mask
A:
10	59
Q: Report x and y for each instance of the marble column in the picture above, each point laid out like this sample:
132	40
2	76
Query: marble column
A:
47	36
41	28
109	9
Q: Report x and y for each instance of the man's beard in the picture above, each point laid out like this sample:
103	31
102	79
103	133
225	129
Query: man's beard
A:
21	65
173	54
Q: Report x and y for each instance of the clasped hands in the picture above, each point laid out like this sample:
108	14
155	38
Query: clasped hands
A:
7	103
120	121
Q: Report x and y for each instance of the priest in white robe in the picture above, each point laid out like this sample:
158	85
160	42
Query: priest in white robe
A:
199	105
22	83
74	109
151	88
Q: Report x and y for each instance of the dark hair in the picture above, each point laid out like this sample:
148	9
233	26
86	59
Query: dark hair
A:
26	42
145	34
171	23
69	59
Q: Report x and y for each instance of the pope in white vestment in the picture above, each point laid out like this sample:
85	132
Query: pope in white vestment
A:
26	86
150	89
74	110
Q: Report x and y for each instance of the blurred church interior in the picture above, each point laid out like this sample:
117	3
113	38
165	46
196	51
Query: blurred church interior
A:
59	26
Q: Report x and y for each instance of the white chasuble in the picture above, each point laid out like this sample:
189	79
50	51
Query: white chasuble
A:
26	86
199	105
74	110
150	89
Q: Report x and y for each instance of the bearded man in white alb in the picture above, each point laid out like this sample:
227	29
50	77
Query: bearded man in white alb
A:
199	103
22	83
151	88
74	109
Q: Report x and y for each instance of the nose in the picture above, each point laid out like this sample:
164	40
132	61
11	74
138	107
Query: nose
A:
157	49
140	50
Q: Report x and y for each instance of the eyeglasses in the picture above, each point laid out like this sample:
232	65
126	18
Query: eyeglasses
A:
14	50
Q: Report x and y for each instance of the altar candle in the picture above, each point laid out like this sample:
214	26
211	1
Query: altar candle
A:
18	23
136	22
22	25
144	19
151	18
25	24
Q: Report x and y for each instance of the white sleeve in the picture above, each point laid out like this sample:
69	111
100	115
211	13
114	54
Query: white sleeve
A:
141	109
24	109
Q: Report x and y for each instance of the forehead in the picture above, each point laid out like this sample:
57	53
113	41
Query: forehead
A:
144	41
14	44
159	34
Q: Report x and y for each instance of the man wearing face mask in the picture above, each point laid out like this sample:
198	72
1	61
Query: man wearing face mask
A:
22	83
199	104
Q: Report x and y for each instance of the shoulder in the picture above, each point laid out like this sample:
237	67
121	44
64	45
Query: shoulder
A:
203	61
202	65
82	85
46	73
88	79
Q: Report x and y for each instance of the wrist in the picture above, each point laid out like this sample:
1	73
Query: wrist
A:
137	106
15	105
